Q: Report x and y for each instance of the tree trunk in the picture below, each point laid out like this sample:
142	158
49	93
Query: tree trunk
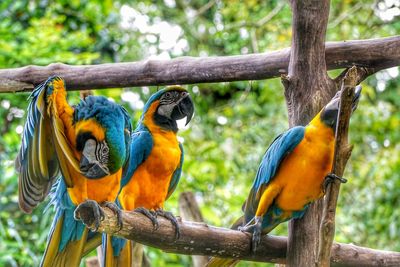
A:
307	89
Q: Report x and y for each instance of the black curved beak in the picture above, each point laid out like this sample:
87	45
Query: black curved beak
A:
184	108
356	98
89	166
92	170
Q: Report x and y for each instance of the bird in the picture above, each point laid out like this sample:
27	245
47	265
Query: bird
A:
79	151
154	166
293	173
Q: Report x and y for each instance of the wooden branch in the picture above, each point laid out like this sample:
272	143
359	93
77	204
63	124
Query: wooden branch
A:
307	88
190	211
341	156
201	239
374	53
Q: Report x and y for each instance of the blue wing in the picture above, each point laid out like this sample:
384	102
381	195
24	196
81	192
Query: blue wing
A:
276	152
177	175
36	161
139	149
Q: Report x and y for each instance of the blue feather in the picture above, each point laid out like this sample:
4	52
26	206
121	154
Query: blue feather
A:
276	152
177	174
140	148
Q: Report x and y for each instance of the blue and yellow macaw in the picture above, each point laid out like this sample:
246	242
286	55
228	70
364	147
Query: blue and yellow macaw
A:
89	144
293	173
154	166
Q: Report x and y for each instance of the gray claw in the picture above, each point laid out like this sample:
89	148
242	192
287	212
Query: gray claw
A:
149	214
169	216
112	206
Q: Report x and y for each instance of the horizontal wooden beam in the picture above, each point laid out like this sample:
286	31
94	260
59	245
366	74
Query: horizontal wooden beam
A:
202	239
373	53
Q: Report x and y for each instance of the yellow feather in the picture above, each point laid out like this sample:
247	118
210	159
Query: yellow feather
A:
42	147
52	246
91	244
35	153
220	262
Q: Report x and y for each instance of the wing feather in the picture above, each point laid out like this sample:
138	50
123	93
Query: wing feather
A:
283	145
139	149
37	169
177	174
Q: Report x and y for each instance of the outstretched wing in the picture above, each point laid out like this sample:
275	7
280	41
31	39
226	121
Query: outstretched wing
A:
176	176
276	152
61	115
36	161
139	149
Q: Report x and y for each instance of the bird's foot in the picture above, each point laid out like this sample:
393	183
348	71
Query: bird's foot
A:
90	213
170	217
255	227
330	178
114	207
149	214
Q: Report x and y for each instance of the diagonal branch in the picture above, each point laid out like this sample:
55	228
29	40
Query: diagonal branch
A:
342	155
374	53
201	239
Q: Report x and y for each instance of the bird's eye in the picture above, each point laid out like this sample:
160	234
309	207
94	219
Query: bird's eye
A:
105	150
168	94
183	93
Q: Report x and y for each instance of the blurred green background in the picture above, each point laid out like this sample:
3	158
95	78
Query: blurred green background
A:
234	122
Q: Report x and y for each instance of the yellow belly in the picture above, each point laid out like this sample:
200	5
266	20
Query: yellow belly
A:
302	173
149	185
99	190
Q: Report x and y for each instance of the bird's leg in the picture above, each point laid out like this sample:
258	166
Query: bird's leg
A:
248	227
330	178
114	207
256	233
254	226
149	214
89	212
169	216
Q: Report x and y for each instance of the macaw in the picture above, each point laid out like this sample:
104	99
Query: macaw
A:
154	165
88	144
293	173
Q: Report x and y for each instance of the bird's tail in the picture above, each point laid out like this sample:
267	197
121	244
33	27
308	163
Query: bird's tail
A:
69	240
58	254
222	262
119	252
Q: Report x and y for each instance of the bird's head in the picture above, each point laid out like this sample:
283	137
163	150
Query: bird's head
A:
330	112
168	106
102	135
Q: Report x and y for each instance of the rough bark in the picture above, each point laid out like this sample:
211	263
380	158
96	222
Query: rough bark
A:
342	154
201	239
307	89
190	211
374	53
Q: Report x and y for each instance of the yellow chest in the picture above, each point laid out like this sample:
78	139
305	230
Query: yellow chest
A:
149	185
302	173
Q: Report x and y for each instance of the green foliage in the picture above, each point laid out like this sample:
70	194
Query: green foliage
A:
234	122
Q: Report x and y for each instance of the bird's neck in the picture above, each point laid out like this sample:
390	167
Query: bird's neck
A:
148	121
319	129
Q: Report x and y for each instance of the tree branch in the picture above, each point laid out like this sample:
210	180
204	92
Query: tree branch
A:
190	211
201	239
373	53
341	156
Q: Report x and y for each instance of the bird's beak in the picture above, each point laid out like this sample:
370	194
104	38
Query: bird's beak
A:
186	107
356	98
89	166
